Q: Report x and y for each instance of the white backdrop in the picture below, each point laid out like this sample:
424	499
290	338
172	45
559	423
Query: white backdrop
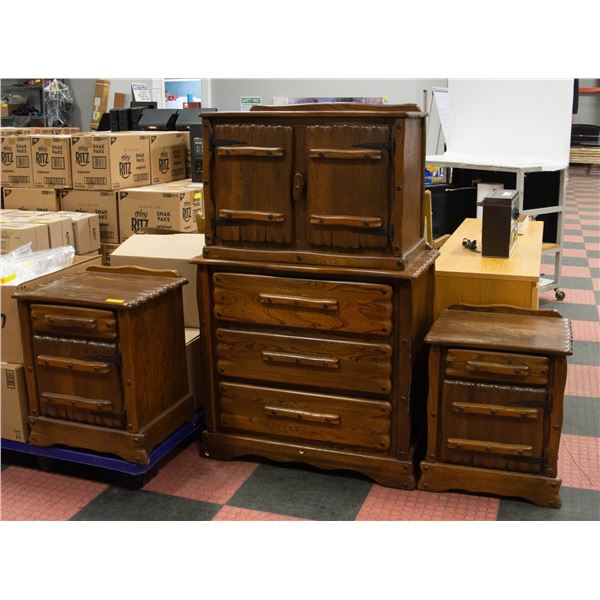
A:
509	122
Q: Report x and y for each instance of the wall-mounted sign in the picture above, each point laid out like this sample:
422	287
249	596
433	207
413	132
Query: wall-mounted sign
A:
140	92
247	102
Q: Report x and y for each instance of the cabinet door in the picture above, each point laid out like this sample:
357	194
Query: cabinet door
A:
78	380
348	186
493	426
252	190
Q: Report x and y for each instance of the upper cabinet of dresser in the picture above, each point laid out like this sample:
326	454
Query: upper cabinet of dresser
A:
345	178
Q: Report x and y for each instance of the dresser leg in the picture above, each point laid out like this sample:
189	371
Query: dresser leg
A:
386	471
440	477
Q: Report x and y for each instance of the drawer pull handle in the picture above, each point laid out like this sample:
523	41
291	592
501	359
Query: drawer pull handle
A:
250	215
297	301
92	404
345	154
494	410
489	447
73	364
302	415
256	151
300	359
60	321
497	368
346	221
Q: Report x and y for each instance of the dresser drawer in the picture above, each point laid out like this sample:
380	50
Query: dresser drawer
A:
305	303
495	426
320	363
316	417
497	366
73	320
78	380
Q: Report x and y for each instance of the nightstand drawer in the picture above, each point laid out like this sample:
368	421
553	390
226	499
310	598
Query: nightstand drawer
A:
73	320
304	303
497	366
495	426
78	380
319	363
305	416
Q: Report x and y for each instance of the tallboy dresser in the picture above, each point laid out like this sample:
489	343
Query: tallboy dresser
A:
105	360
495	408
315	287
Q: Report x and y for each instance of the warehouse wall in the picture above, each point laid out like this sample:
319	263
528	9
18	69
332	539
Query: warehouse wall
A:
225	94
83	96
589	104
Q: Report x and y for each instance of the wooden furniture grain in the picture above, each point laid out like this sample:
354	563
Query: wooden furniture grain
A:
105	360
315	288
497	377
464	276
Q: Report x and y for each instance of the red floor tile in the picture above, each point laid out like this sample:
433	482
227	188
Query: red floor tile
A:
583	380
571	226
190	475
30	495
572	297
386	504
572	238
575	252
595	246
579	462
585	331
569	271
594	263
590	233
590	221
596	284
232	513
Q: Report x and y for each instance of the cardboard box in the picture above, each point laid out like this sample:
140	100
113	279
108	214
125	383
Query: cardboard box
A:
51	156
86	230
158	207
106	251
59	228
16	234
11	349
167	156
15	409
17	168
57	130
31	199
194	365
110	161
100	102
166	252
104	204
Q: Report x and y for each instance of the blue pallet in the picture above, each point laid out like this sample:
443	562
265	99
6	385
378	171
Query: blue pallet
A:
94	459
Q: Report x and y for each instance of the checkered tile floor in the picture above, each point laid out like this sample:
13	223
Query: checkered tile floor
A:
190	487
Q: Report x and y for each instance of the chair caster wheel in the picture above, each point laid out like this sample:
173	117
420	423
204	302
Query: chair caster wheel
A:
560	295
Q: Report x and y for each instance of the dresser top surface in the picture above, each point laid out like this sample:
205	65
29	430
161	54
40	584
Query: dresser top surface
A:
502	331
104	290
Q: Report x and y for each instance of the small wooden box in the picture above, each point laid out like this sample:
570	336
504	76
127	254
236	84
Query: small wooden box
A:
496	382
105	360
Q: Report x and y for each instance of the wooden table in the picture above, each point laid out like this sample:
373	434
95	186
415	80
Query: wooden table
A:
465	276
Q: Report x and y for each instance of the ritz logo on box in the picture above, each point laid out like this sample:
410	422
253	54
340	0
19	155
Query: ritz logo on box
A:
163	163
186	212
7	157
139	221
41	157
125	166
82	157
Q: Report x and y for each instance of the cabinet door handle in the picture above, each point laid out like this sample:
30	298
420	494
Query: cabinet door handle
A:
78	402
332	153
298	186
252	151
302	415
346	221
300	359
489	447
251	215
494	410
63	321
479	366
73	364
297	301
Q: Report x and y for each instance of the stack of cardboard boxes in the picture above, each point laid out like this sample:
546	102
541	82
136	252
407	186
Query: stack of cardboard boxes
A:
127	182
